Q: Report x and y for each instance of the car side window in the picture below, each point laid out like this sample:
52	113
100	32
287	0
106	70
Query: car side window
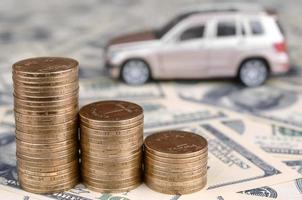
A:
256	27
195	32
226	28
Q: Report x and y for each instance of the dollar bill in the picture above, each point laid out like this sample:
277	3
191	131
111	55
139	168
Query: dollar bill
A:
174	114
267	103
278	141
233	166
106	88
288	190
293	84
281	142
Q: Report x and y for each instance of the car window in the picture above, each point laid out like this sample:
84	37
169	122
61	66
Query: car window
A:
226	28
192	33
280	27
256	27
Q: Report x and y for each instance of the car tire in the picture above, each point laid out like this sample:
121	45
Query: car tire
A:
135	72
253	72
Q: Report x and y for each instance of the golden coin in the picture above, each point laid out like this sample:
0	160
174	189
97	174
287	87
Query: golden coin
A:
53	119
100	172
43	82
99	133
109	185
46	146
176	165
105	190
30	103
111	166
110	175
50	182
151	166
180	184
176	144
46	112
108	153
40	110
49	168
175	190
46	162
46	95
43	138
111	178
47	175
53	179
24	155
111	113
110	140
48	159
39	92
46	79
43	152
113	128
44	129
45	66
175	175
137	143
117	159
201	157
38	189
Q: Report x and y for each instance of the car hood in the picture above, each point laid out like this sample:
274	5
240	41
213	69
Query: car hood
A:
133	37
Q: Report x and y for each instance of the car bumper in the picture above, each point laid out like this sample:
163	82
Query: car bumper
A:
280	65
112	70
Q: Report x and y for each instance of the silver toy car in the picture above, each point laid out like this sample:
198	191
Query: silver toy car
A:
203	44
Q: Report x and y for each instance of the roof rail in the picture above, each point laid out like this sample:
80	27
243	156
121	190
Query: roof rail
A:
225	7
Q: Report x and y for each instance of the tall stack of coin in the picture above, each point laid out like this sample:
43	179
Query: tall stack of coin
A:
46	108
111	145
175	162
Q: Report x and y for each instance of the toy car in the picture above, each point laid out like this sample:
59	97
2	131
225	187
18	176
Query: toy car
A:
203	44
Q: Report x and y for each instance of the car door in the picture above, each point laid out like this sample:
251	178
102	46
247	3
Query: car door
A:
224	47
185	56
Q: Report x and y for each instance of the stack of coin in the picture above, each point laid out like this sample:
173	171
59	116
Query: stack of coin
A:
111	145
175	162
46	108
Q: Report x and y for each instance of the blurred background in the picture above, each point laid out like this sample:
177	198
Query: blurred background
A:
80	29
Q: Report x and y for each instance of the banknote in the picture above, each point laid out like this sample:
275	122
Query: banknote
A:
276	140
106	88
288	190
293	83
281	142
233	166
143	192
169	113
267	103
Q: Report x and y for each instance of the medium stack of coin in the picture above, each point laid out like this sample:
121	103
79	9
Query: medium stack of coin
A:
111	145
46	109
175	162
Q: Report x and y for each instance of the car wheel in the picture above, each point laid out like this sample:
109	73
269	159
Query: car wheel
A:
135	72
253	72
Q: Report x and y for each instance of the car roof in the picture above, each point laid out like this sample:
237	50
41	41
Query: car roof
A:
225	9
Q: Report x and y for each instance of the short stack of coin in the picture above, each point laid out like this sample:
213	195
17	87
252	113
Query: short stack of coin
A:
111	145
175	162
46	108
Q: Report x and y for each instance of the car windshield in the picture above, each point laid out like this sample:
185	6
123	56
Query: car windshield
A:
160	32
